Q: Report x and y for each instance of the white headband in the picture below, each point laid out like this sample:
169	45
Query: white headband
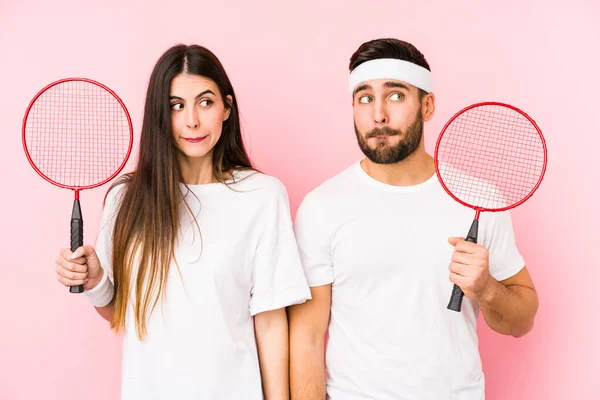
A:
391	68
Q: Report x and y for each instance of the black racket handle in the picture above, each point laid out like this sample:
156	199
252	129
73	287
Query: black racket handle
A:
76	237
456	298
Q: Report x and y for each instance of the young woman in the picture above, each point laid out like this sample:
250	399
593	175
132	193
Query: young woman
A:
196	258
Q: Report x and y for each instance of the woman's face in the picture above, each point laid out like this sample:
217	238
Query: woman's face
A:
197	114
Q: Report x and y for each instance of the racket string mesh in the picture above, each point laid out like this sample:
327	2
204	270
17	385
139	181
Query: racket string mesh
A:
77	134
491	157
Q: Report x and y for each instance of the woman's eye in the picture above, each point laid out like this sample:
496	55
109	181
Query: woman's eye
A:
176	106
206	103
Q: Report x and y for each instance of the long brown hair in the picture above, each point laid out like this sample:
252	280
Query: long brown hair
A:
147	223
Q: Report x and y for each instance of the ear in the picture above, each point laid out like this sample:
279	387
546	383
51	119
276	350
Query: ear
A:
228	105
428	106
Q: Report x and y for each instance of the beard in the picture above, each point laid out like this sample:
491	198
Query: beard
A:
383	152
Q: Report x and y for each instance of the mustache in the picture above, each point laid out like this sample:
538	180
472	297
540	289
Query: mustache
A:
385	131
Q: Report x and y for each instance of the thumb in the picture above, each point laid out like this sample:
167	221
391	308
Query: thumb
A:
83	251
455	240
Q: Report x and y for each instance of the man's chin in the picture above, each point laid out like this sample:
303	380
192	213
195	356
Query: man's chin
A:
381	159
386	157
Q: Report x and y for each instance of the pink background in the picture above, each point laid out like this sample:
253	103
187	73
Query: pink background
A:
288	64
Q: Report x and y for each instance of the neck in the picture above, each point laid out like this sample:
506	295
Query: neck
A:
414	169
197	171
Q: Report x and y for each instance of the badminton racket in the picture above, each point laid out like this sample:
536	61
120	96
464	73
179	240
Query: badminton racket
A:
490	157
77	135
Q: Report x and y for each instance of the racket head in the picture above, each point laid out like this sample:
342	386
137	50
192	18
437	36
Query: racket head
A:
491	157
77	133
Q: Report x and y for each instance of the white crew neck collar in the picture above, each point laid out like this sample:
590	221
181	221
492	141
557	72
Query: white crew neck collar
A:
394	188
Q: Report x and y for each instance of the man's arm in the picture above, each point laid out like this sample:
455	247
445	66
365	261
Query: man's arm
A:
308	327
509	306
271	328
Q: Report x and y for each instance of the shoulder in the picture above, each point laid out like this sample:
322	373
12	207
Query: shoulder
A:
112	202
331	189
263	186
114	194
321	205
494	222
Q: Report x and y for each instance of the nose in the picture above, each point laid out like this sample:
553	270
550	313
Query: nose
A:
191	118
380	116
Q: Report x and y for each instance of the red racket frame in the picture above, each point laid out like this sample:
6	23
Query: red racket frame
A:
77	188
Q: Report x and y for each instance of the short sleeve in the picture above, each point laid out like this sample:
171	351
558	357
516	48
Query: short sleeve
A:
102	294
505	259
313	240
278	280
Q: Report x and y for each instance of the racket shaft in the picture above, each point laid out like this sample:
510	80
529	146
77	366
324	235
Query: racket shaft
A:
76	237
456	298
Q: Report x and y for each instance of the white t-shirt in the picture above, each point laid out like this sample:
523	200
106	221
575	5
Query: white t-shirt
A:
201	341
384	249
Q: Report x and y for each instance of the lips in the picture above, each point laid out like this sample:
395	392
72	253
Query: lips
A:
195	139
382	136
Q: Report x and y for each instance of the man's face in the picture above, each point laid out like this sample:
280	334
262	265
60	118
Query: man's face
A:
388	120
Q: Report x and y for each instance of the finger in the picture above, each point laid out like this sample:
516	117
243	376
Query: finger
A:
471	261
463	284
83	251
463	246
71	282
71	266
462	258
459	281
66	254
459	269
72	275
79	252
80	260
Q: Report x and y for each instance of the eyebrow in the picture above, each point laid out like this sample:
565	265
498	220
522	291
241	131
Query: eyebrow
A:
207	91
392	84
361	88
388	84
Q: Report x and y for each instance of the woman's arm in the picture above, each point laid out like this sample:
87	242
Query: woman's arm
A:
271	328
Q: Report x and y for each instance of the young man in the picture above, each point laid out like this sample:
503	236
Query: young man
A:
382	245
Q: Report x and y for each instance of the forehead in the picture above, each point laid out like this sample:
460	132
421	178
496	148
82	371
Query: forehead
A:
384	84
191	84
